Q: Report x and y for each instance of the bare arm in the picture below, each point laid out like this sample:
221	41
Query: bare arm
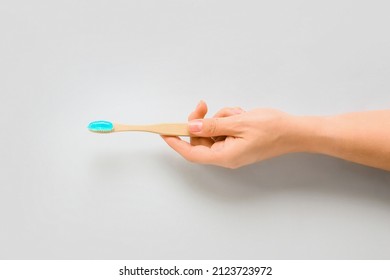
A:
362	137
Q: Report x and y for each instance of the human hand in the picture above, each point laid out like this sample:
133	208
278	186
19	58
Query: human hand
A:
234	138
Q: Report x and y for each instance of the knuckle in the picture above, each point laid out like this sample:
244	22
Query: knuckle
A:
212	126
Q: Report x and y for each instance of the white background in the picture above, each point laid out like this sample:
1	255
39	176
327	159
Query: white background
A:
66	193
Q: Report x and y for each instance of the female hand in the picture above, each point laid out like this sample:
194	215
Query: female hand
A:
233	137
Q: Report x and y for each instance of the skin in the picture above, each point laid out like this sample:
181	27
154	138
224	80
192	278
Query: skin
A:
233	138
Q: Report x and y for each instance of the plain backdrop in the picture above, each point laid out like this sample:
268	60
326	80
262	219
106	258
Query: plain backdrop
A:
66	193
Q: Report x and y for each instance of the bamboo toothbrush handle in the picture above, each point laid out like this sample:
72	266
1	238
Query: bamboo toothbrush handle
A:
171	129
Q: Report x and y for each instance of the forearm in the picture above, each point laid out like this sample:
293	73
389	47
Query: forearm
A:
362	137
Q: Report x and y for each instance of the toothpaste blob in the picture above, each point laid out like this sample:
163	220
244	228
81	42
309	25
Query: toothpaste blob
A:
101	126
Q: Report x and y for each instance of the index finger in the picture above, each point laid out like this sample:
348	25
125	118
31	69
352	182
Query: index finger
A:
196	154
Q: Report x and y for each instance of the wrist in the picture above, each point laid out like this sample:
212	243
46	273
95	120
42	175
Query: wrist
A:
310	134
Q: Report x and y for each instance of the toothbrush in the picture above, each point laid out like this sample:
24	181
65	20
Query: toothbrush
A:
171	129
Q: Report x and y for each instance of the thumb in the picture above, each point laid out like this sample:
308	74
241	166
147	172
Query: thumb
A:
213	127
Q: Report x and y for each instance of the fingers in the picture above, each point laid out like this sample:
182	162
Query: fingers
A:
204	146
228	126
199	112
198	154
227	112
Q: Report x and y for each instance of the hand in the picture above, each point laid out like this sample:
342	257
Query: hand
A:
233	137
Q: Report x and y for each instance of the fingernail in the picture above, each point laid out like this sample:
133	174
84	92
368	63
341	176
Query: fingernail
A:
195	126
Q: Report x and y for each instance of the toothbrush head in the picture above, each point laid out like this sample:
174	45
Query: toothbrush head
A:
101	126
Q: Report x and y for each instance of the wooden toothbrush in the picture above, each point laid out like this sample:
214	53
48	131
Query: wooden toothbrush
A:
170	129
